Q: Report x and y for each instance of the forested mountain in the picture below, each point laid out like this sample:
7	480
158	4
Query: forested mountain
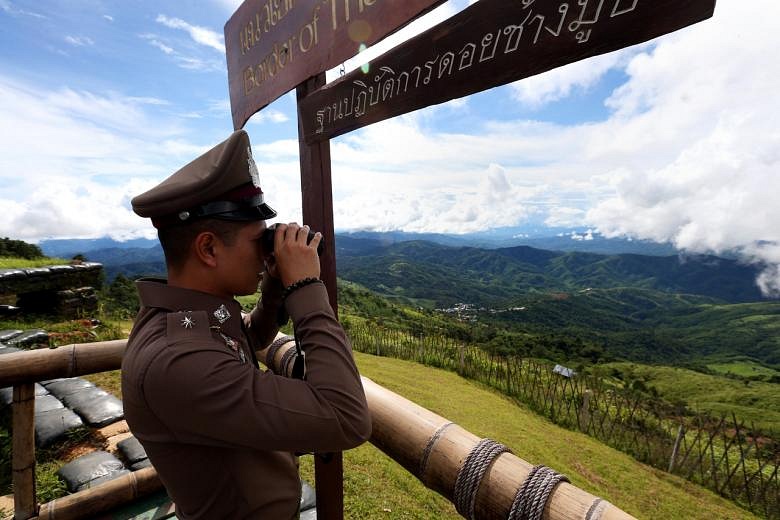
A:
446	275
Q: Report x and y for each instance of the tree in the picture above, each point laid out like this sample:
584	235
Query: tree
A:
19	249
120	298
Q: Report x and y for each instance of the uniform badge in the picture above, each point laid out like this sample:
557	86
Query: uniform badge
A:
187	322
234	346
252	168
222	314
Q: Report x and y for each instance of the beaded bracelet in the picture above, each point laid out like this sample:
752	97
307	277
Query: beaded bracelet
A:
297	285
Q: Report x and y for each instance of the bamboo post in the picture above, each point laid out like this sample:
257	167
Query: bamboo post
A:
23	454
404	430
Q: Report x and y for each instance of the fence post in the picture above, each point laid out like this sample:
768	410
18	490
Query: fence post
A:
585	411
23	454
673	458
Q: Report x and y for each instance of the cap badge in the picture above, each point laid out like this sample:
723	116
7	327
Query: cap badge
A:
187	322
252	168
222	314
184	215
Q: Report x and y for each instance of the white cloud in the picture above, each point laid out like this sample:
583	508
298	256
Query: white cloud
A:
79	41
706	99
559	83
160	45
200	35
108	17
268	115
69	159
10	8
183	61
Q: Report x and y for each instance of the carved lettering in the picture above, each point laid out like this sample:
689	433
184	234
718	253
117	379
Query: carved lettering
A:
489	46
618	12
446	63
430	65
466	56
581	20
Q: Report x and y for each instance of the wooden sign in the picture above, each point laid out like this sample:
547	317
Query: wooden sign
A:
274	45
491	43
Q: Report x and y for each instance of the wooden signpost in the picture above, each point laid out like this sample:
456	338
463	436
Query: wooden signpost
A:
491	43
274	46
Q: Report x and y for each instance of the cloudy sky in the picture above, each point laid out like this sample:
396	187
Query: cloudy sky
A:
674	140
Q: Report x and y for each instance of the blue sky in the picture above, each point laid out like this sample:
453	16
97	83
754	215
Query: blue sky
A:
674	140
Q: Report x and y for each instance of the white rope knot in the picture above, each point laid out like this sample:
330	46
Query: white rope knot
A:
532	496
471	473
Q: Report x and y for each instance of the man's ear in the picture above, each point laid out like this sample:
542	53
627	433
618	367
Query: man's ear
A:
205	248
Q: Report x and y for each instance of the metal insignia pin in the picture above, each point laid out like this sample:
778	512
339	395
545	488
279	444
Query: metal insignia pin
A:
187	322
222	314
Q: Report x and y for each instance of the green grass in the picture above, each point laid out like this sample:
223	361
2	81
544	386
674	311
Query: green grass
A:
743	368
752	401
376	487
23	263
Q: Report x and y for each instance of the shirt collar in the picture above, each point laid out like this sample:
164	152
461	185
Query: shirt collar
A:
223	314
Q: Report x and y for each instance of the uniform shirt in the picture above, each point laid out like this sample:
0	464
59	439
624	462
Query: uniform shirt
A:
218	430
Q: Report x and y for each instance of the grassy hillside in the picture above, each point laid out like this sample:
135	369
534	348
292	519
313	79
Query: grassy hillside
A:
753	401
376	487
24	263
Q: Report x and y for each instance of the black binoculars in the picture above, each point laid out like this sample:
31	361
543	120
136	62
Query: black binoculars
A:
268	240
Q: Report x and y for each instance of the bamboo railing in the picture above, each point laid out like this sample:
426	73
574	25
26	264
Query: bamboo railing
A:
403	430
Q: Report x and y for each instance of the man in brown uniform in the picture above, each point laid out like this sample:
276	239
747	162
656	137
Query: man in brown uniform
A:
220	432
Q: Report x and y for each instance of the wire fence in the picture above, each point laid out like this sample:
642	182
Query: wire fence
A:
721	453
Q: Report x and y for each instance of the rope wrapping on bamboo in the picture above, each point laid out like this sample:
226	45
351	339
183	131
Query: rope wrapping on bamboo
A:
274	348
471	473
429	448
532	496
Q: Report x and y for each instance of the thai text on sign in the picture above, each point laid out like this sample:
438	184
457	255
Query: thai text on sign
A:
491	43
274	45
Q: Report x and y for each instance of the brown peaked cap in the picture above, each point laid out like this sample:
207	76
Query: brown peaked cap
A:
224	174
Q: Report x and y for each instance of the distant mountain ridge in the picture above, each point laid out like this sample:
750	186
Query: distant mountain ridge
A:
441	275
446	275
553	239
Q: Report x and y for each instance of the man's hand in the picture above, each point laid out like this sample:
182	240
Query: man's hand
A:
294	258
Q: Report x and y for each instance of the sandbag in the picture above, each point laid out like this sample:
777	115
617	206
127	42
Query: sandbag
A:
309	514
96	407
30	338
141	464
65	387
6	397
46	403
54	424
7	334
83	396
308	497
89	468
7	394
132	450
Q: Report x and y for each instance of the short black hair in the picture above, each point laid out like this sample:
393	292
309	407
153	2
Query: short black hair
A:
176	240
